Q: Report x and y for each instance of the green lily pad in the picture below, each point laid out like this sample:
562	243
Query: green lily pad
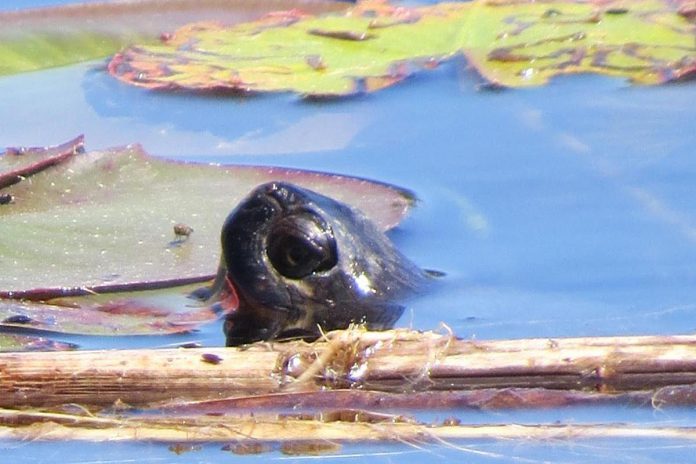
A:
365	49
38	38
645	41
105	220
374	45
12	342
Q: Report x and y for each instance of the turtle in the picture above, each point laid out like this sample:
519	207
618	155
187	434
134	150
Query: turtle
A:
297	263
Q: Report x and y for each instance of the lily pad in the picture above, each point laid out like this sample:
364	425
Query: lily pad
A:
515	45
39	38
105	220
19	163
370	47
374	45
154	312
13	342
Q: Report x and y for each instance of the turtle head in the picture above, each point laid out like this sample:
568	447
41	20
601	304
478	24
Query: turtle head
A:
300	261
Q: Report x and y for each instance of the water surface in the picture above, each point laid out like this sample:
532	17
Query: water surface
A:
565	210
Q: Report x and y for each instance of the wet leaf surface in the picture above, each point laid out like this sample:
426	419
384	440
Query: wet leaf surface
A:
154	312
20	163
647	41
376	45
39	38
367	49
105	220
13	342
101	243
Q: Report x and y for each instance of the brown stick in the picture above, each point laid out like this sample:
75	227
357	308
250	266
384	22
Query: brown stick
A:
400	361
330	401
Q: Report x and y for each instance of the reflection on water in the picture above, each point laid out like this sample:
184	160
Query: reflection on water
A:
606	451
558	211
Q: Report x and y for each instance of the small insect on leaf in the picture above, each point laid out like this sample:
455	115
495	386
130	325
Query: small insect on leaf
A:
182	231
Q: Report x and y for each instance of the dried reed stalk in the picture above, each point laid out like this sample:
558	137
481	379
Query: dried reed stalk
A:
52	426
392	361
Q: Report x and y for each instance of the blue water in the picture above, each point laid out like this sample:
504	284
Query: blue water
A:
559	211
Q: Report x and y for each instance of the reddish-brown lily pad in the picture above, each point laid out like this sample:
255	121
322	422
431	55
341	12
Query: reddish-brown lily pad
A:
20	163
374	45
154	312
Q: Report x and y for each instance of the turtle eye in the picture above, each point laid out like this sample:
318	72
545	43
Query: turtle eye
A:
300	245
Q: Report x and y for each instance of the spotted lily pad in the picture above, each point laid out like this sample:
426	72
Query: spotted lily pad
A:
370	47
107	220
374	45
39	38
514	44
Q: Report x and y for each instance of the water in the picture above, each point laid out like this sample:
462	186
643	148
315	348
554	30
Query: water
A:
560	211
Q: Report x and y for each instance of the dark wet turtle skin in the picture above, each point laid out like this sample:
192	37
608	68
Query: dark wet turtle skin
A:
300	261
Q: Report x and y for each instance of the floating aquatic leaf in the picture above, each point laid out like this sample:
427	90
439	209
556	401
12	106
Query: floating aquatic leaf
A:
106	220
12	342
289	51
19	163
38	38
152	312
374	45
116	220
520	44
